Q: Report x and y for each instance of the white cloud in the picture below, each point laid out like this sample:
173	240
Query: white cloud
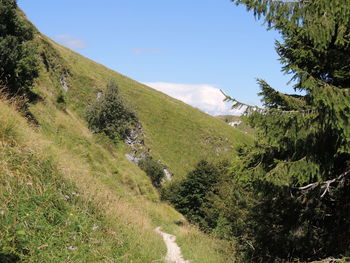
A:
140	51
203	96
71	41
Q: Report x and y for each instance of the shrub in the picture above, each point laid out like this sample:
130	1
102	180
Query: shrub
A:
191	196
110	115
153	169
18	59
61	101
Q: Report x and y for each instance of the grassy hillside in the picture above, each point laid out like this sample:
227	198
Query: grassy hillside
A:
66	198
178	135
243	126
67	195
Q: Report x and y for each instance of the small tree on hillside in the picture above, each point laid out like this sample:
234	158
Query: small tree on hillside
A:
18	60
190	196
153	169
110	115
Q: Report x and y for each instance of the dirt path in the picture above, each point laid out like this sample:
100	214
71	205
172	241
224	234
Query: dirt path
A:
174	252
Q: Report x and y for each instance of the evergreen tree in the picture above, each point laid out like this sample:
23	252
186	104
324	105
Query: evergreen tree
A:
18	66
310	131
289	192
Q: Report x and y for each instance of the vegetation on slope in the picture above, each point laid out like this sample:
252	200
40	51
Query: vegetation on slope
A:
286	197
109	115
45	217
68	195
18	59
177	134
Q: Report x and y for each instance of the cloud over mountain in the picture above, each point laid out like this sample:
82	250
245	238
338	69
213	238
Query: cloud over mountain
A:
203	96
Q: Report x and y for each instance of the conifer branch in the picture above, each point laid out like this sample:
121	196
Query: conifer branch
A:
288	2
239	105
253	108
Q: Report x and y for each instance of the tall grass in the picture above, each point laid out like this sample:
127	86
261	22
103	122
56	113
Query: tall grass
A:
67	195
44	216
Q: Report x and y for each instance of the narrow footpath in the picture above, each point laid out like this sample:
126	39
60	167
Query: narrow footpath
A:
174	252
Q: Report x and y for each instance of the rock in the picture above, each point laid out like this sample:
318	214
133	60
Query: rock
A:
234	123
99	95
143	155
64	84
168	175
132	157
134	136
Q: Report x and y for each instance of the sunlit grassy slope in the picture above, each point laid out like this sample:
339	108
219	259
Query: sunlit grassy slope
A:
67	195
243	126
178	135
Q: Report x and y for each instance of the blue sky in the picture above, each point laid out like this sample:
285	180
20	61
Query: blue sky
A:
186	48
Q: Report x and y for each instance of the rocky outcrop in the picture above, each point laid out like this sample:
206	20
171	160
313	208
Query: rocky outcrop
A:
134	157
168	175
234	123
137	137
64	85
139	151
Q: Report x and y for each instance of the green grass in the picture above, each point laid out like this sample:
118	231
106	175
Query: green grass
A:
42	217
53	209
58	181
178	135
53	195
243	126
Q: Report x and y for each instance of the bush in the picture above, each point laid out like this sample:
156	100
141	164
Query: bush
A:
153	169
19	64
61	101
110	115
191	196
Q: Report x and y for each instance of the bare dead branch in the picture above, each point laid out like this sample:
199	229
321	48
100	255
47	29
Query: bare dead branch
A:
326	184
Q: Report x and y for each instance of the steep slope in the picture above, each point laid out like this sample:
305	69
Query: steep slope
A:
177	134
66	198
68	195
241	125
